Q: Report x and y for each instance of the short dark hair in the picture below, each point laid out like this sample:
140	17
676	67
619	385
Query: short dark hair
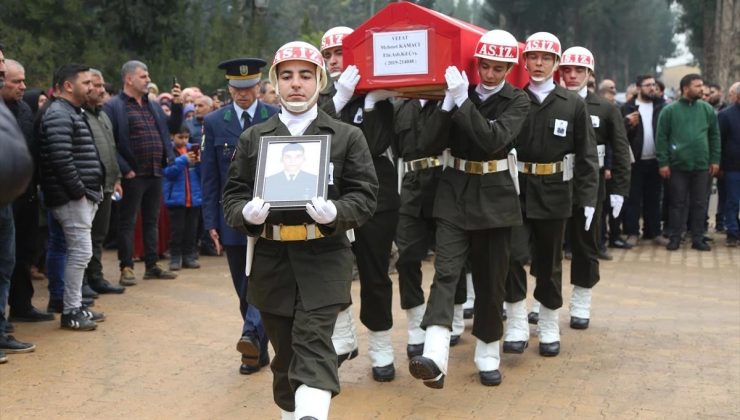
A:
290	147
183	129
2	47
714	86
109	88
686	80
641	78
68	73
263	86
661	85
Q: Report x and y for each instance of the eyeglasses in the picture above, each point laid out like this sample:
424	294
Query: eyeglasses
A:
648	85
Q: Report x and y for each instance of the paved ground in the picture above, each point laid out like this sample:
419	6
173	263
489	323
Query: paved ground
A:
664	343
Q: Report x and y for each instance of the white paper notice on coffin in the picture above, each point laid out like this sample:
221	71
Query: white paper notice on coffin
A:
401	53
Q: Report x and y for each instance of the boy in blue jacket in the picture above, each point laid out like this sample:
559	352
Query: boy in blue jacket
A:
183	200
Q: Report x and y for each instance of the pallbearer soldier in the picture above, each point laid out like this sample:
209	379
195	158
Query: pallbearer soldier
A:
416	225
558	172
301	273
222	129
373	114
614	156
475	206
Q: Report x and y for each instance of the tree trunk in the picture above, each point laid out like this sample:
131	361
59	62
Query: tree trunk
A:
726	68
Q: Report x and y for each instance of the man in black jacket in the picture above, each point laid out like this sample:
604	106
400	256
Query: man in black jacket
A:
15	172
71	179
25	207
641	119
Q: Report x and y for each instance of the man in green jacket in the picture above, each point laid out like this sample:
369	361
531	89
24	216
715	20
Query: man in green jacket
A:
102	131
301	268
688	152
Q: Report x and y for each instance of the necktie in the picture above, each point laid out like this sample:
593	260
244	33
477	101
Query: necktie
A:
246	120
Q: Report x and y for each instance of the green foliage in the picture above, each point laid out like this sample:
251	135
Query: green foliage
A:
626	38
188	38
691	21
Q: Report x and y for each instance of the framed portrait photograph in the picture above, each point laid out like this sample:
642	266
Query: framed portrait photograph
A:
291	170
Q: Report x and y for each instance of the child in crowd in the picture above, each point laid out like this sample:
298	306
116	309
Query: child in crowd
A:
183	200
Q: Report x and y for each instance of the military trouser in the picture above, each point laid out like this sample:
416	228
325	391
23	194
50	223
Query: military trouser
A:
304	353
546	240
413	237
584	267
372	248
489	254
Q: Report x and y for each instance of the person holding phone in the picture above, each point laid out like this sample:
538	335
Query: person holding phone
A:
183	200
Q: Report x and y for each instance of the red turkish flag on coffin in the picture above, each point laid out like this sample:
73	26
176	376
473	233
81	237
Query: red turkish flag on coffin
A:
407	48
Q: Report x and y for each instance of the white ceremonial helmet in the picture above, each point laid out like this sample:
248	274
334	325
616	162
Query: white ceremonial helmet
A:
302	51
578	56
543	41
334	36
498	45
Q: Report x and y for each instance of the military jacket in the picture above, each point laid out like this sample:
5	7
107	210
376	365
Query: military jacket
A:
321	269
377	127
608	126
221	131
480	131
412	125
558	126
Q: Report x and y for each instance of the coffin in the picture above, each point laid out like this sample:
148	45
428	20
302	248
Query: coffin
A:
407	48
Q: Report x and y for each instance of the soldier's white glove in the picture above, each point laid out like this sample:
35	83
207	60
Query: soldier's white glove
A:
457	84
322	211
589	213
448	102
376	96
255	211
616	201
345	85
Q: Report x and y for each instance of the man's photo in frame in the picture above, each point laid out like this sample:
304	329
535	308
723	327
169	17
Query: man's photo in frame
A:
292	170
288	175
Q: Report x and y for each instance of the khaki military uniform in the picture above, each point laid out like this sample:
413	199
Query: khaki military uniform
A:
300	286
558	126
606	121
475	211
374	240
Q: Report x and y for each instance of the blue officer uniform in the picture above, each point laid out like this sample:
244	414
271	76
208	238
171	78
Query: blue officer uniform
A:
222	129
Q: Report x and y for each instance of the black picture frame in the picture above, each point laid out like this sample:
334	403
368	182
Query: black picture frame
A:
279	182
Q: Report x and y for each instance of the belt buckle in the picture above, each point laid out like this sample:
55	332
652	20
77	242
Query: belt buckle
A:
473	167
492	166
434	162
543	169
293	232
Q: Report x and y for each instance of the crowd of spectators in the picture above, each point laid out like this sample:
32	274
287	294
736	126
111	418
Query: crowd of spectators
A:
105	159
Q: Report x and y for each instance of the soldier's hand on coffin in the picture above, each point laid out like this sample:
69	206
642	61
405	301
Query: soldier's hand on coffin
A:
255	211
448	102
376	96
457	84
345	85
322	211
